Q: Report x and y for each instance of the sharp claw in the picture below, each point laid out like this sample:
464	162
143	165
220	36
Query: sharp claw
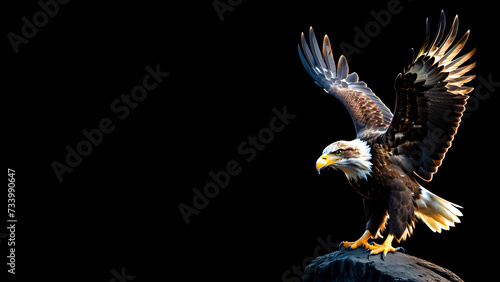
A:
382	255
400	249
341	245
349	248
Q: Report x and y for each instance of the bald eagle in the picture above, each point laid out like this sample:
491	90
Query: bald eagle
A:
392	150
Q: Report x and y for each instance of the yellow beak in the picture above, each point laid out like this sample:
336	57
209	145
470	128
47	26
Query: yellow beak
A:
326	160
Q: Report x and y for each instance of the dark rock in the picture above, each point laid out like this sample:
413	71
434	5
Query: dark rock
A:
355	265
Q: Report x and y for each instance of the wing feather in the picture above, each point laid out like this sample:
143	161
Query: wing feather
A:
330	62
370	116
343	68
430	100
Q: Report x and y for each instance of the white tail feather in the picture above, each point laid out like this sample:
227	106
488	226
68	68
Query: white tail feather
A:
436	212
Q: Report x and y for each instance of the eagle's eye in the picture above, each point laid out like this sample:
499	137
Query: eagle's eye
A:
338	152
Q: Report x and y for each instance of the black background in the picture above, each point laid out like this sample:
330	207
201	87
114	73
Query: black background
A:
119	207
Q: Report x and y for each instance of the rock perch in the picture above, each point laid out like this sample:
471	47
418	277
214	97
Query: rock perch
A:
355	265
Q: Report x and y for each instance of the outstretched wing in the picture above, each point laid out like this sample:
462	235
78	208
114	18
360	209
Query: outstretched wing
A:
430	100
370	116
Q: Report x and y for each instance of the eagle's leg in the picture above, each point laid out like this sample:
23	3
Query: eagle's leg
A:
363	240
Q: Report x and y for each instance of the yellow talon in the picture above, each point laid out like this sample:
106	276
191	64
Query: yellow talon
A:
372	247
375	248
384	248
358	243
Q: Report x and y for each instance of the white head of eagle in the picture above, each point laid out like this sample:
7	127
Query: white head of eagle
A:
352	157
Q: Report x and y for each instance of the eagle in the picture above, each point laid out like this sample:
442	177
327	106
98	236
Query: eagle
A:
392	152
